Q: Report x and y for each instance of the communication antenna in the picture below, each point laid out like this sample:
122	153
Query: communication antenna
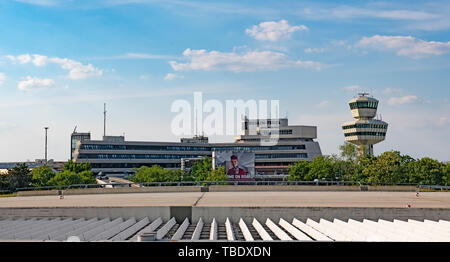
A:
75	129
104	119
46	128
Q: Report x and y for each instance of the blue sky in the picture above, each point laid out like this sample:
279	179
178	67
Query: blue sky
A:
61	60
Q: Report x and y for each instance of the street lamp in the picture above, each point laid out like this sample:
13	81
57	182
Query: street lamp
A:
46	128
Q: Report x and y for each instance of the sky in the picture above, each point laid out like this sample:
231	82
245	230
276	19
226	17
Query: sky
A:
60	61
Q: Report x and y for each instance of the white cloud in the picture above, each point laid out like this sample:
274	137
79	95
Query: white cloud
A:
23	59
245	62
273	31
323	104
403	100
34	83
143	77
76	69
2	78
314	50
11	58
39	60
171	76
352	87
391	90
406	45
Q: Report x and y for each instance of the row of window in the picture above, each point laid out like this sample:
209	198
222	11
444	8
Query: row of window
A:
366	134
188	148
135	156
133	165
168	156
142	147
365	126
275	163
265	156
257	148
275	132
364	104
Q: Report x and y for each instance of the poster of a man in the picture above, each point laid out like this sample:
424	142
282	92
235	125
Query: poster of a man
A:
235	171
239	165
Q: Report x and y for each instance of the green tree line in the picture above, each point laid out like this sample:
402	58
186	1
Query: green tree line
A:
390	167
200	171
21	176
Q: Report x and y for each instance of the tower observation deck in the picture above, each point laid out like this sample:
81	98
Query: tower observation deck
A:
365	131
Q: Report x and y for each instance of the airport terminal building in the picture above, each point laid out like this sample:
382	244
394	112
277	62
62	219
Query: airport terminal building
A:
115	156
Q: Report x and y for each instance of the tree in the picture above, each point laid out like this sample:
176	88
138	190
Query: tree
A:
427	171
19	176
389	167
42	176
446	172
156	173
77	167
349	152
217	174
299	170
362	169
201	169
4	182
66	178
74	173
321	167
344	169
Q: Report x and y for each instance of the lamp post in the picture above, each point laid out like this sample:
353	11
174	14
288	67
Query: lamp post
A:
46	128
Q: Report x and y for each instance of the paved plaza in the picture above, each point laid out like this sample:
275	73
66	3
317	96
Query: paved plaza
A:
239	199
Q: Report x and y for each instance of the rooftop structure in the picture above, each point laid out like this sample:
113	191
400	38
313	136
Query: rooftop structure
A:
364	131
132	230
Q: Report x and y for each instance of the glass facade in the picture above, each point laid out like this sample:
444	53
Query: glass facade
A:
74	138
176	156
364	104
143	147
365	126
134	165
289	155
383	134
136	156
188	148
257	148
275	132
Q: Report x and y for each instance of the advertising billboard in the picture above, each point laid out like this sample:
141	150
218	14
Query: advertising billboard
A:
238	165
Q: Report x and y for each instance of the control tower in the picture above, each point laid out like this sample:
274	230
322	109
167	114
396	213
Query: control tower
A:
365	131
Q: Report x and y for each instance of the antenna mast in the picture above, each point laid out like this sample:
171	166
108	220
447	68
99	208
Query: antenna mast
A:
104	119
